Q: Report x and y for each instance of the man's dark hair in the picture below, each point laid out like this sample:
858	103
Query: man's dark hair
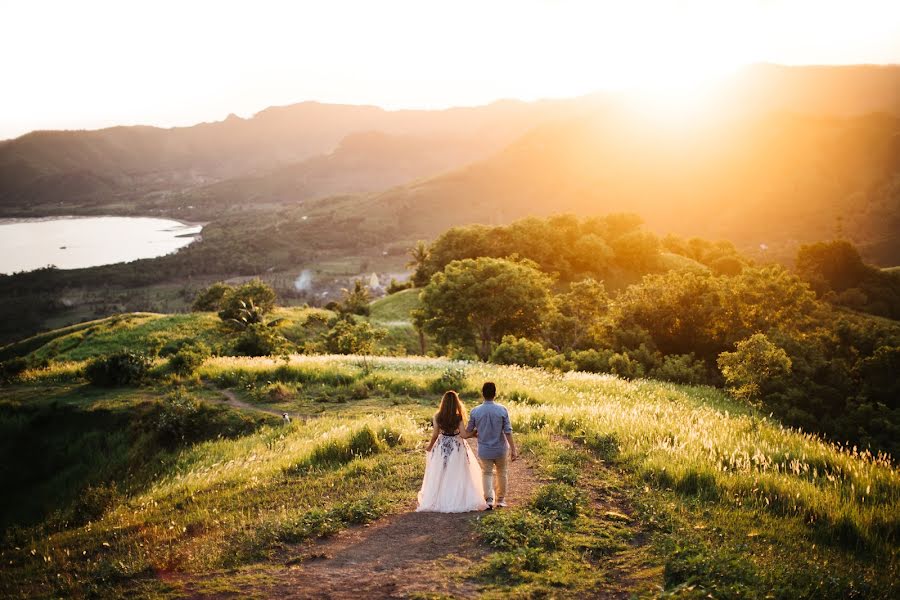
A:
489	390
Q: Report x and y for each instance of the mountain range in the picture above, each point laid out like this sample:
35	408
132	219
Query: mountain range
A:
783	155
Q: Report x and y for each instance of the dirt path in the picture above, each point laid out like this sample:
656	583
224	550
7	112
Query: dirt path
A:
398	556
231	399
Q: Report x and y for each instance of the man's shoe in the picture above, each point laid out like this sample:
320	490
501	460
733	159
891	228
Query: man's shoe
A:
501	503
490	504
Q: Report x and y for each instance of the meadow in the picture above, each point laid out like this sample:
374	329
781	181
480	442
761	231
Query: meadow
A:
721	500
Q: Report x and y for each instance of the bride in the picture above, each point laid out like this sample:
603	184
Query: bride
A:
452	480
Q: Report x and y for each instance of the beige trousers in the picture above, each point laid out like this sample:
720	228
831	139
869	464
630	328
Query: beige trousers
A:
487	477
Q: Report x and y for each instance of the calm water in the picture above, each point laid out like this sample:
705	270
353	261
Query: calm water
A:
74	242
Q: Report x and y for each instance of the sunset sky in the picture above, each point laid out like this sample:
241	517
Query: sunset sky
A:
94	63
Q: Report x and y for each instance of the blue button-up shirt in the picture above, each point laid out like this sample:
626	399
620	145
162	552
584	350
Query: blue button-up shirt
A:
492	421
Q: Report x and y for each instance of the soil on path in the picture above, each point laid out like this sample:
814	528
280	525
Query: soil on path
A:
396	557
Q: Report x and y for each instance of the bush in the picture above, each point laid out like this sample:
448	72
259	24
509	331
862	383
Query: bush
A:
518	351
397	286
255	293
681	368
558	500
188	359
508	530
592	361
347	336
756	367
556	362
11	369
453	378
123	368
176	420
261	340
624	366
212	298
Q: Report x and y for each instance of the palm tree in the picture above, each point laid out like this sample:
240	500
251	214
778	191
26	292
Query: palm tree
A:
419	255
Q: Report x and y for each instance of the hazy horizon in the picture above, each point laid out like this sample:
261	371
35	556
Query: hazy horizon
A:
100	63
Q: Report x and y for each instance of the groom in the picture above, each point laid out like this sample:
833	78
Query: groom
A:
491	421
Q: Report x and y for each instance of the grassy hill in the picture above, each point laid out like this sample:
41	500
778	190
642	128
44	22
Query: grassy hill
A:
174	490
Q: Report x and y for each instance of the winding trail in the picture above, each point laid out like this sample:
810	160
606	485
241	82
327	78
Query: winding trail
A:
398	556
231	399
411	554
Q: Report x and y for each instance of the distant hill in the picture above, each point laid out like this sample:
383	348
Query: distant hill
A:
362	162
58	171
290	153
777	179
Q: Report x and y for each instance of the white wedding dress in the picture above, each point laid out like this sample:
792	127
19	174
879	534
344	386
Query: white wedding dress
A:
452	480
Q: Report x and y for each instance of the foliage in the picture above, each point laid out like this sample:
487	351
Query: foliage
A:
754	368
122	368
475	302
518	351
453	378
212	298
419	257
578	312
260	339
355	301
255	297
348	336
188	358
397	286
562	244
838	274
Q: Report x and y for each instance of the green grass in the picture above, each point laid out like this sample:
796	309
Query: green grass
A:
396	307
731	503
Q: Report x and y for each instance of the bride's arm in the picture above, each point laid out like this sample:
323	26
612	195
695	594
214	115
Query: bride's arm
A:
464	432
434	436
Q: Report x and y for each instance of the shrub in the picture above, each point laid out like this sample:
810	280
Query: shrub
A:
556	362
558	500
12	368
508	530
334	453
211	298
518	351
397	286
513	566
592	361
356	299
347	336
188	358
755	367
261	340
93	502
254	293
453	378
176	418
624	366
681	368
122	368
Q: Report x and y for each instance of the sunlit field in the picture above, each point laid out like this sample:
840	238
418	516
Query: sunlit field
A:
714	482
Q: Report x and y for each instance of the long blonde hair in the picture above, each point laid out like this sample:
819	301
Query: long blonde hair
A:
451	414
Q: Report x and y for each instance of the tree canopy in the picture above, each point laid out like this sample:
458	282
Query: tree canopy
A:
475	302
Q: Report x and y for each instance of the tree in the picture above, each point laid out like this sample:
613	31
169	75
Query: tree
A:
211	298
347	336
256	293
833	265
419	255
518	351
356	299
475	302
754	368
578	313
